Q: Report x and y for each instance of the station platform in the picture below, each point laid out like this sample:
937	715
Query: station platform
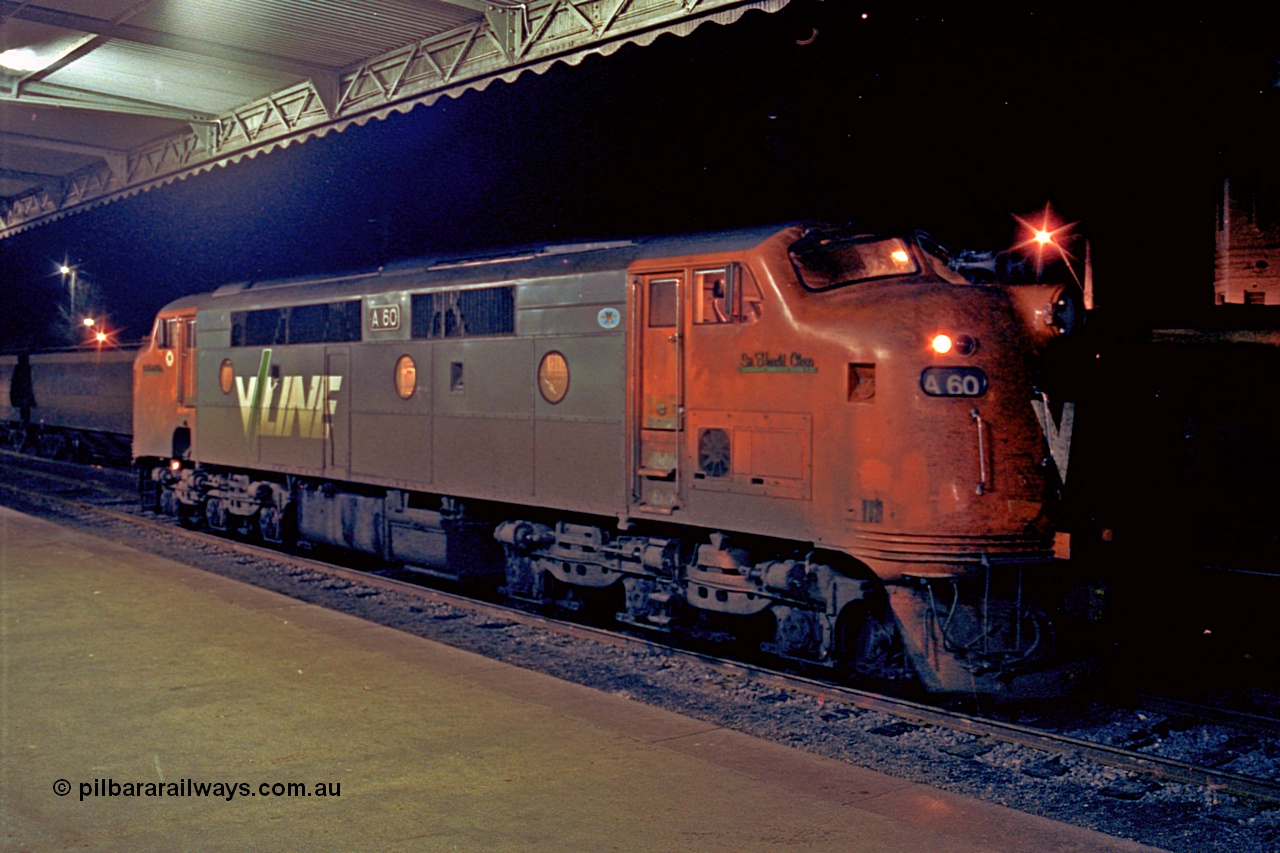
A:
146	705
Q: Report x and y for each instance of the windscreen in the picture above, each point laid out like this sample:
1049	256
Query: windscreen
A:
829	260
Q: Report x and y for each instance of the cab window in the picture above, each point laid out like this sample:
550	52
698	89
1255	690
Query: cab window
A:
825	260
166	333
663	302
726	295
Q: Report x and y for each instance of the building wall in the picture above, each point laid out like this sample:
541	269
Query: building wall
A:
1247	246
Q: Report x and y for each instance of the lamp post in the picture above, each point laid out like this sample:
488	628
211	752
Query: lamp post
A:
70	276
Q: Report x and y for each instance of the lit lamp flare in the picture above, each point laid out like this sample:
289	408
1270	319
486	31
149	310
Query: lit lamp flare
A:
1048	234
70	276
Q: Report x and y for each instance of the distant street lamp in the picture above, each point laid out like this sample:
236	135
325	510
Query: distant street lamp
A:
70	276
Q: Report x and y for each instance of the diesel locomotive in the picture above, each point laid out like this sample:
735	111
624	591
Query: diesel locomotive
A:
825	441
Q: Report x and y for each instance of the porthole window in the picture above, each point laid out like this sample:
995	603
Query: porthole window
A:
406	377
226	376
553	377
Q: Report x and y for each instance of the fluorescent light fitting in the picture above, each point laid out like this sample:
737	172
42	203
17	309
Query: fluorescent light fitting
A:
22	59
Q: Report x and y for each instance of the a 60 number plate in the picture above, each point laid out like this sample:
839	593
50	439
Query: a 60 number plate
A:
953	382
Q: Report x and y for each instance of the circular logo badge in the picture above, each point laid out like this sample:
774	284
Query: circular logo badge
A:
553	377
168	358
609	318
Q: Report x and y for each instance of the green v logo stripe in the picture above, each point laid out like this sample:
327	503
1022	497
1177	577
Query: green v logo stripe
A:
255	410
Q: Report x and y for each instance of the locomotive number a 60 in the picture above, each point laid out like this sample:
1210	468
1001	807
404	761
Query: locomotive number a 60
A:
953	382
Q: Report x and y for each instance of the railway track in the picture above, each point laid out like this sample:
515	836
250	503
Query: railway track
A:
107	495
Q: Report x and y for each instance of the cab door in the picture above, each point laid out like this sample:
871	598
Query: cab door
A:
659	406
185	329
164	390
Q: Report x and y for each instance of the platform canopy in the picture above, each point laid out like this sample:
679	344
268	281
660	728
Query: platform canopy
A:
101	99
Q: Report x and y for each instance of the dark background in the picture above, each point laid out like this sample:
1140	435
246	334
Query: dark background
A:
952	117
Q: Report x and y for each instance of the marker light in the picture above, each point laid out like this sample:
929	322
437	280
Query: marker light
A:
175	465
941	344
88	321
1043	237
100	337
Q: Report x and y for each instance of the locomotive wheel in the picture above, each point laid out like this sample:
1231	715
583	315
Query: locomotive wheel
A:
279	526
869	646
54	446
148	490
15	439
191	517
246	526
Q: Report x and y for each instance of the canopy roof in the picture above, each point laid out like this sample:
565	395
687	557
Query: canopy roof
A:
101	99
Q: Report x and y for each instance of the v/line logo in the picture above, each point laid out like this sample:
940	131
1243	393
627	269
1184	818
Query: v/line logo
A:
288	406
1058	435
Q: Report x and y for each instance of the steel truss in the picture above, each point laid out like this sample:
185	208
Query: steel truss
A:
508	40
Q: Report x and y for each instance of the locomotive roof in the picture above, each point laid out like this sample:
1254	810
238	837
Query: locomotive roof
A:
499	266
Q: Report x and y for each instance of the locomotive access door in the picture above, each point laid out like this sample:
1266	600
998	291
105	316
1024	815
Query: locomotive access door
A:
336	393
186	345
660	404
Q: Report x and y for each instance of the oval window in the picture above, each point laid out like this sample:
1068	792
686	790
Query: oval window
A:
226	375
406	377
553	377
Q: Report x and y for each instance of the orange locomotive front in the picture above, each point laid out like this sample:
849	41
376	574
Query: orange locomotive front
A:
837	438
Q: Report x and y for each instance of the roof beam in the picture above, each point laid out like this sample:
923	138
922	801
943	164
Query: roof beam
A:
32	177
474	5
74	99
84	46
117	160
81	47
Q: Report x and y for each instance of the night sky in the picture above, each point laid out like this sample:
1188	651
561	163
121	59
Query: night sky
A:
951	117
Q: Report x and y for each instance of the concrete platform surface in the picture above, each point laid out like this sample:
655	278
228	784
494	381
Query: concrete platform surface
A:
146	705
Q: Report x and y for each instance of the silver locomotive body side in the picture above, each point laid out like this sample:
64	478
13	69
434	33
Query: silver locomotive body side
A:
472	426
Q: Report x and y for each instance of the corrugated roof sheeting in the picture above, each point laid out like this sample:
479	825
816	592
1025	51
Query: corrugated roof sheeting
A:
132	94
159	76
319	32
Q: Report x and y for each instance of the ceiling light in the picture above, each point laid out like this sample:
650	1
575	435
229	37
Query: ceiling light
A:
22	59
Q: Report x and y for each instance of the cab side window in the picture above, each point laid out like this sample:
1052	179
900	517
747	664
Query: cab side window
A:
715	299
166	333
726	295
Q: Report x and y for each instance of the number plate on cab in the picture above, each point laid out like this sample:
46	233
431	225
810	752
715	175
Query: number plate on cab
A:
953	382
